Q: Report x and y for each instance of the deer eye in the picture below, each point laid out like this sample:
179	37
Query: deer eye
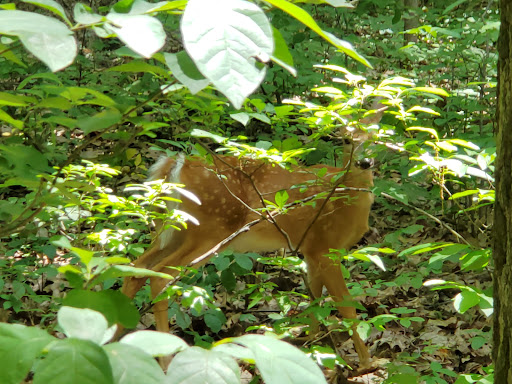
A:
347	141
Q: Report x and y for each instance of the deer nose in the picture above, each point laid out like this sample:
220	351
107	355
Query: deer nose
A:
365	163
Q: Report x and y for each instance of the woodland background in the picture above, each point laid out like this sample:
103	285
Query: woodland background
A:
79	131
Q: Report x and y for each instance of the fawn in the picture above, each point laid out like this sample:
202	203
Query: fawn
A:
232	191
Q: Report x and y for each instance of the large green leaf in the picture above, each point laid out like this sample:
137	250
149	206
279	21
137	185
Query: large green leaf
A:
82	323
282	55
48	39
84	14
19	346
141	33
185	70
204	366
10	55
306	19
115	271
52	6
155	343
130	365
100	121
280	362
224	38
140	66
74	361
115	306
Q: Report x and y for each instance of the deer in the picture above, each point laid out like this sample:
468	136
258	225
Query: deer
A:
232	192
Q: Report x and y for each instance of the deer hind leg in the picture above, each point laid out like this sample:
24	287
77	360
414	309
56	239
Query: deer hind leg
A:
160	307
322	271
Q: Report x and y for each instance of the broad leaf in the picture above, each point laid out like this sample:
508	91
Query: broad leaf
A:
115	271
74	361
185	70
82	323
100	121
269	353
141	33
224	38
155	343
140	66
52	6
84	15
282	55
116	307
19	347
130	365
205	366
45	37
306	19
10	55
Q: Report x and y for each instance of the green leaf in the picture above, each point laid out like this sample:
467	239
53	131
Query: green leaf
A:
281	197
465	300
340	3
15	100
465	193
445	145
82	323
84	15
8	54
45	37
304	17
155	343
84	255
4	116
141	33
74	361
464	143
214	319
228	280
208	135
185	70
139	7
170	5
24	161
242	117
478	342
475	260
244	261
204	366
430	131
417	108
116	307
130	365
116	271
453	5
434	91
19	347
269	353
140	66
100	121
282	55
52	6
225	47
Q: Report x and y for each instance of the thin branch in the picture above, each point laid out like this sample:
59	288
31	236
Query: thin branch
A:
72	157
248	226
441	223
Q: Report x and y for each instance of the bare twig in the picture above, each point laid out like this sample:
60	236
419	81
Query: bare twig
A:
441	223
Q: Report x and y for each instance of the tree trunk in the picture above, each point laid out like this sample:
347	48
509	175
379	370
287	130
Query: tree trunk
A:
411	19
502	339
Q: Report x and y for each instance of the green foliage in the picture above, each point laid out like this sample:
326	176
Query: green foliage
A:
83	357
74	148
